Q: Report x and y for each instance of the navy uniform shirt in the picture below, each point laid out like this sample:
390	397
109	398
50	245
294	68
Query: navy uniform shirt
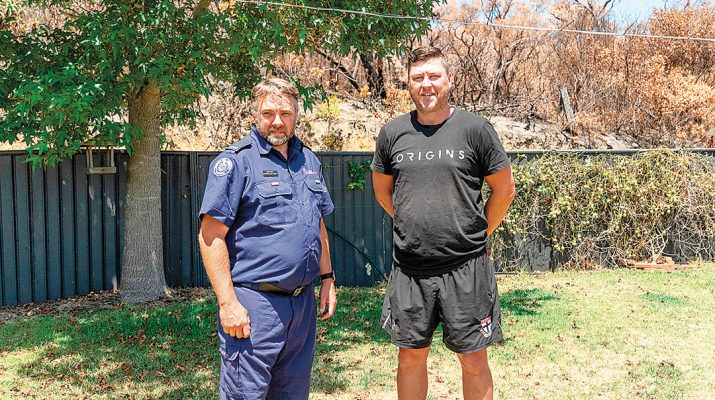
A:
272	207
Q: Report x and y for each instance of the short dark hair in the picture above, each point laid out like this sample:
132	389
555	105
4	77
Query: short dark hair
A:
426	53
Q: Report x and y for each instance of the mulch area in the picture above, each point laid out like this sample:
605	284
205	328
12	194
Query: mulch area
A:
95	301
660	264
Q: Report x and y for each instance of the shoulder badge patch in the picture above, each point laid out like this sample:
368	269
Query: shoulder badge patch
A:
223	167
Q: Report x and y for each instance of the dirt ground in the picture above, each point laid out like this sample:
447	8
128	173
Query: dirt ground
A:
355	126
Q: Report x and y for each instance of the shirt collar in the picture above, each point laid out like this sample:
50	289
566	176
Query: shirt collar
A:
263	146
294	144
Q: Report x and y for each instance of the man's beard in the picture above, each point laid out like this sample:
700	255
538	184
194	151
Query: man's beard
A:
275	140
441	101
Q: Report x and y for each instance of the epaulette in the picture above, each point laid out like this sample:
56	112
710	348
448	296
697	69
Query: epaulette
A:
241	144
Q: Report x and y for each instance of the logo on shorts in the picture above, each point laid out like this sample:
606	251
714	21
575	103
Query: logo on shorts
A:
389	323
223	167
486	328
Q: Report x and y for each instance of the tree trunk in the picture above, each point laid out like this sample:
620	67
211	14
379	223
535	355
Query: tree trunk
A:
375	77
142	276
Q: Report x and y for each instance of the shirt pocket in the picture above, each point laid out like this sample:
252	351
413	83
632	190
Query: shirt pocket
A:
276	203
316	191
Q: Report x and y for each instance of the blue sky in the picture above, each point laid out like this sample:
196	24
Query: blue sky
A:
635	9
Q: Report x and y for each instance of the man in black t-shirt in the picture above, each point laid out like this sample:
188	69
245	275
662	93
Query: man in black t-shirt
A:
428	171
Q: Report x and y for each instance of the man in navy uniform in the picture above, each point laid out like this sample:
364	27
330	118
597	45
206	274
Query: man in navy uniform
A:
428	171
263	243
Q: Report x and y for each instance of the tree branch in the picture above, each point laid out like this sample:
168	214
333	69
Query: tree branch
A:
337	64
201	7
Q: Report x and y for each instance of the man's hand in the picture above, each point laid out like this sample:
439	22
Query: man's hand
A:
235	320
328	299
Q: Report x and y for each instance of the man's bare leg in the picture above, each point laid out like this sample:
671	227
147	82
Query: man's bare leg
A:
476	376
412	374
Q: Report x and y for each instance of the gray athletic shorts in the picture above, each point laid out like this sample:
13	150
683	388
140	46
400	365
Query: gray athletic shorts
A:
465	301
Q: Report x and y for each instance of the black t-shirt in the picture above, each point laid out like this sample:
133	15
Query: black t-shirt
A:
438	173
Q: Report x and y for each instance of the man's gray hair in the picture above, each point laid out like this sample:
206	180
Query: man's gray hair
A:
274	87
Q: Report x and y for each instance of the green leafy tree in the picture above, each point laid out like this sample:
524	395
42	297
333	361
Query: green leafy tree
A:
116	72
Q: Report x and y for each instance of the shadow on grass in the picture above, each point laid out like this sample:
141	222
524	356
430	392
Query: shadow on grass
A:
169	352
524	301
356	323
130	352
663	298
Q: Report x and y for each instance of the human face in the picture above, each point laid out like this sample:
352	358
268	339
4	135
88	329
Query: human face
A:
429	86
275	118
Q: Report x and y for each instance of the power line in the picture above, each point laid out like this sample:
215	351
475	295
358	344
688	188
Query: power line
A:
339	10
595	33
503	26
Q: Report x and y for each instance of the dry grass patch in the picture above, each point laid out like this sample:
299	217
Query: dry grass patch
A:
614	334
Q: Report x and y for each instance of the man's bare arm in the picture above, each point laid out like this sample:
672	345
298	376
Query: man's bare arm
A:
503	192
214	252
383	185
328	296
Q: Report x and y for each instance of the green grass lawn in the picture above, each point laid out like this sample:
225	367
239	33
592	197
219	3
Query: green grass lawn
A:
616	334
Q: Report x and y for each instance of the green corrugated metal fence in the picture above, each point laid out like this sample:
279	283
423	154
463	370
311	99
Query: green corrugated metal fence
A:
61	229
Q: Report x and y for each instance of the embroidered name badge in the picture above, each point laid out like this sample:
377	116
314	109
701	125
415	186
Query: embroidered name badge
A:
309	171
270	173
223	167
